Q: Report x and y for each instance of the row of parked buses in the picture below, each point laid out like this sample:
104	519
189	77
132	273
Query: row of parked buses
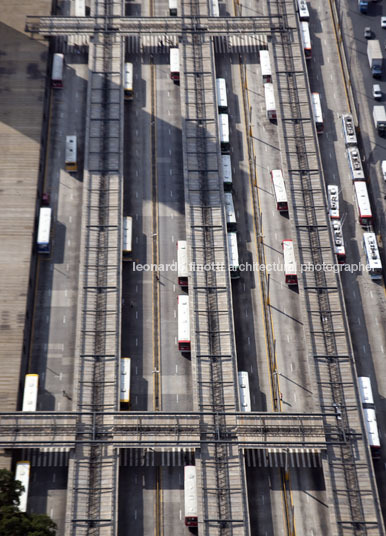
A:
362	200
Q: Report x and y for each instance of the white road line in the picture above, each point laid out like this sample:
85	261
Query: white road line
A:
136	195
64	319
136	399
170	131
292	367
174	287
170	152
170	172
175	314
136	239
53	477
49	292
172	216
67	267
359	321
177	398
136	288
135	514
176	369
376	321
371	293
58	406
136	217
68	243
136	315
171	193
364	348
353	293
65	293
136	342
288	338
295	397
251	369
51	513
60	376
47	319
70	219
180	515
136	371
175	341
382	349
136	132
136	172
243	287
249	341
246	313
172	238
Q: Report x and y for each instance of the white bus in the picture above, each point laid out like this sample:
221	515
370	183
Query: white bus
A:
182	263
339	249
290	271
350	137
270	105
127	245
365	216
372	255
354	160
224	133
245	395
214	8
306	39
279	190
125	381
190	495
317	112
30	395
233	252
57	71
367	401
303	10
227	171
79	8
183	323
333	201
128	82
265	66
22	474
173	8
44	230
71	163
175	65
230	212
221	91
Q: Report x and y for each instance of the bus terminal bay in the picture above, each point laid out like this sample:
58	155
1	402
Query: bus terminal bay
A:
190	274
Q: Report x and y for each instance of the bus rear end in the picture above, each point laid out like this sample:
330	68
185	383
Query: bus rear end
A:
175	65
57	71
183	324
190	495
173	8
71	162
290	272
182	263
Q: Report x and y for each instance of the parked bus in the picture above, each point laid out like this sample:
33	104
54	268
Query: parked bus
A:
279	190
270	105
365	216
245	395
175	65
230	212
224	133
233	252
57	71
71	163
182	263
290	272
127	245
372	255
183	323
303	10
128	82
125	382
317	112
79	8
339	249
306	39
333	201
190	496
367	400
30	395
265	66
227	171
22	474
221	91
173	8
44	230
350	137
214	8
354	160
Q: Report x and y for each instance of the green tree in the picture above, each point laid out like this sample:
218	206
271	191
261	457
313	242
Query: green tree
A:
16	523
10	489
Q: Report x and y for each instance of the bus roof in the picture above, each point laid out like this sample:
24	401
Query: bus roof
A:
362	198
127	234
265	63
221	90
233	250
289	257
365	390
371	427
182	258
174	60
22	474
183	318
333	200
226	167
338	237
224	127
278	185
80	8
229	208
269	97
354	159
190	491
316	107
125	379
44	227
350	136
57	67
128	76
245	396
372	251
305	34
71	149
30	395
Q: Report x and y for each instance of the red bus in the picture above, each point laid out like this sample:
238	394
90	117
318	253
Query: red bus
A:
291	277
183	323
279	190
365	215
